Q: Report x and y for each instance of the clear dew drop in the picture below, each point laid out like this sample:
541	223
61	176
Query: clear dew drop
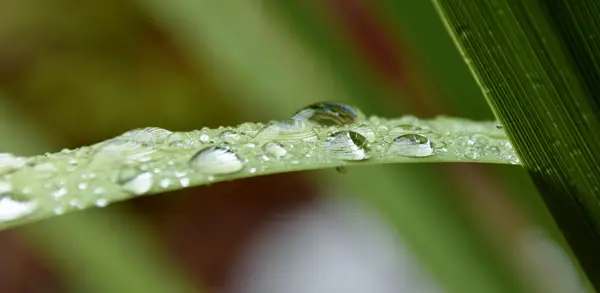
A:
329	114
472	153
10	162
286	130
231	137
411	145
148	135
216	160
499	125
134	182
118	150
402	129
179	140
101	202
274	150
366	131
347	145
13	208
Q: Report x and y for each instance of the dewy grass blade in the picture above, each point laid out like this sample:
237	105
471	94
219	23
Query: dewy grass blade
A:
153	160
536	63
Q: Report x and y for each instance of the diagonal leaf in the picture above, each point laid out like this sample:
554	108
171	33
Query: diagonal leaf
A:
537	65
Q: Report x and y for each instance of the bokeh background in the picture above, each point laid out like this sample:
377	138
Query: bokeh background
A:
73	73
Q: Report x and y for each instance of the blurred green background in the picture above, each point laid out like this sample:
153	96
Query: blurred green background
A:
73	73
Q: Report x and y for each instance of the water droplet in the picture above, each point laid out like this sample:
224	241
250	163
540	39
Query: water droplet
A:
184	182
399	130
274	149
147	136
119	150
216	160
252	170
366	131
347	145
499	125
134	182
382	129
411	145
231	137
9	162
58	210
82	186
165	183
60	192
13	208
286	130
472	153
329	114
179	140
101	202
44	170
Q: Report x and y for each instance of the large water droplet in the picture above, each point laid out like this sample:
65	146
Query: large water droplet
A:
286	130
134	182
10	162
347	145
274	150
411	145
13	208
216	160
329	114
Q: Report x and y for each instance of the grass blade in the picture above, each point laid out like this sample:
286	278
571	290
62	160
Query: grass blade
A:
537	67
153	160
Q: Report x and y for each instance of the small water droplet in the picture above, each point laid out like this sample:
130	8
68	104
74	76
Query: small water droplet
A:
76	203
252	170
82	186
165	183
146	136
204	138
60	192
134	182
179	140
411	145
44	170
286	130
399	130
366	131
216	160
382	129
98	191
101	202
184	182
58	210
347	145
329	114
10	162
13	207
274	149
231	137
472	153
